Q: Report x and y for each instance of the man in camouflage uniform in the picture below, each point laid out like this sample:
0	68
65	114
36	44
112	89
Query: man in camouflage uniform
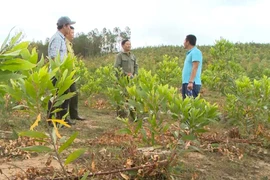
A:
126	60
127	63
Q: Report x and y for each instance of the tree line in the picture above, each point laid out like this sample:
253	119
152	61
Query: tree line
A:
94	43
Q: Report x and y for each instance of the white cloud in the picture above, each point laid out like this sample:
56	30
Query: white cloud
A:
152	22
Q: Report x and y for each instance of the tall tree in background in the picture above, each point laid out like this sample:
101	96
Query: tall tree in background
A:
81	44
42	48
94	43
100	42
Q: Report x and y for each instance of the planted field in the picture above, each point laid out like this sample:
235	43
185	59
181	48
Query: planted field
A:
223	134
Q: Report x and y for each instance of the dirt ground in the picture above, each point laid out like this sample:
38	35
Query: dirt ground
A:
230	161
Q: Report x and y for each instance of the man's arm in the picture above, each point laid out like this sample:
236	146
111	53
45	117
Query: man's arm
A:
54	48
195	65
136	67
117	63
196	60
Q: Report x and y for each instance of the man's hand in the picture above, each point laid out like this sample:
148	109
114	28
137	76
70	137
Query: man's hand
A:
129	74
190	86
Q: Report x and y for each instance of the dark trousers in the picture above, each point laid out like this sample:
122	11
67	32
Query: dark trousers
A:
195	91
64	106
73	103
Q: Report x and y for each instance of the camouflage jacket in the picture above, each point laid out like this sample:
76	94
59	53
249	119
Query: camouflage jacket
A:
127	62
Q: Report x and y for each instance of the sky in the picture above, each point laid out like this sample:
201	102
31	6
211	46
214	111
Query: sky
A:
152	22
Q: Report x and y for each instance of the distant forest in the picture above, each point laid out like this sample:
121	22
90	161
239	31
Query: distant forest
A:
94	43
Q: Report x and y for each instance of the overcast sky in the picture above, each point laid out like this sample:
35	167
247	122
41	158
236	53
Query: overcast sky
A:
152	22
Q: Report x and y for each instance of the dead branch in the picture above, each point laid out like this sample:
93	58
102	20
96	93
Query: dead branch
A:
160	163
5	132
1	172
216	140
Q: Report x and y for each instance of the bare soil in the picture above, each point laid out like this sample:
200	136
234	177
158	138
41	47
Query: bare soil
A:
230	161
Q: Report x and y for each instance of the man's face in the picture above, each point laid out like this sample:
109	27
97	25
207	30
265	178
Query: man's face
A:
127	46
186	44
66	29
70	35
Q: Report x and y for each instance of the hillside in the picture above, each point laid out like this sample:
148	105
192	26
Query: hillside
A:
253	57
223	134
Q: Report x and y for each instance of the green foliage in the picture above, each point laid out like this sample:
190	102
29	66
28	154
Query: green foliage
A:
169	72
159	105
33	134
74	155
68	142
220	76
151	98
193	114
248	104
37	149
97	42
11	63
37	88
30	80
94	43
148	97
82	72
224	50
224	68
117	93
99	80
42	47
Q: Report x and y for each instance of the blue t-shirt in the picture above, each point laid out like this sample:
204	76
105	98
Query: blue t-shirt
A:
192	55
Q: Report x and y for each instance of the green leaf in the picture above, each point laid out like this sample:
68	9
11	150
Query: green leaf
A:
34	56
85	175
201	130
166	127
125	131
75	155
68	142
15	134
15	38
30	90
188	137
54	138
16	65
7	75
57	110
215	145
139	126
62	98
6	40
144	135
21	46
133	172
33	134
195	149
19	107
25	54
176	134
67	83
63	139
12	53
41	62
37	149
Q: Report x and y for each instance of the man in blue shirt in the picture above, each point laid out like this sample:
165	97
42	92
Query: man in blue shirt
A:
57	45
191	73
